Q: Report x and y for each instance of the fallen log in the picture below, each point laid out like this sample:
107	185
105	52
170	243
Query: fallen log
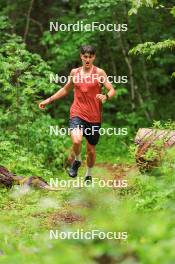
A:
151	145
8	179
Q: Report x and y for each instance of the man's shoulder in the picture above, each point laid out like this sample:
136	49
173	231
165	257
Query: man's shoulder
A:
74	70
100	71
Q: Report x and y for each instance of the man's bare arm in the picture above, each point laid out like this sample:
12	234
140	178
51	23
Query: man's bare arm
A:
108	86
60	93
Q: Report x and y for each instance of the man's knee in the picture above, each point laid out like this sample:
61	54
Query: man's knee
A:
77	141
90	150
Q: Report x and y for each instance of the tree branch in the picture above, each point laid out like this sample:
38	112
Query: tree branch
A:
28	20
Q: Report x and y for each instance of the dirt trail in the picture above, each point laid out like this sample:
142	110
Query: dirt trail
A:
117	171
103	170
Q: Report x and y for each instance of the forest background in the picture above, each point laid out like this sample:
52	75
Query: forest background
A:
29	53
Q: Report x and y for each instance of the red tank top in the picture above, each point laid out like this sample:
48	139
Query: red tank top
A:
85	104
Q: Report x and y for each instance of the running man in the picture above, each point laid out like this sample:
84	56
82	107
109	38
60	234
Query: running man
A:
86	110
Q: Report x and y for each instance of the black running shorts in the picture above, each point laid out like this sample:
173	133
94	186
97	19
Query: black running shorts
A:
90	130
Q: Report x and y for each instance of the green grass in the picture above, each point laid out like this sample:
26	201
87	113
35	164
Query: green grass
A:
145	210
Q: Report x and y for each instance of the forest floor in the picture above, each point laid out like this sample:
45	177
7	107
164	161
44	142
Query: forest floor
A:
27	212
28	216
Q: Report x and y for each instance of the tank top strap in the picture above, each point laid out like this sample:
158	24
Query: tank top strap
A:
78	70
94	71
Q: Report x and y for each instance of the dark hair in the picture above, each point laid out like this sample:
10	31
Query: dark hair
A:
88	49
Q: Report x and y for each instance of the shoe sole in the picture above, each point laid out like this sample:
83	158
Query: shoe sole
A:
72	176
75	174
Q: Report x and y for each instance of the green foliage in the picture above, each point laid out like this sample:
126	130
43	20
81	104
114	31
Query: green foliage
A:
173	11
27	217
170	124
153	25
151	48
92	6
23	78
136	4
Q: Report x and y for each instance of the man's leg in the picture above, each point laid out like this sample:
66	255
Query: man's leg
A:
76	136
91	154
91	157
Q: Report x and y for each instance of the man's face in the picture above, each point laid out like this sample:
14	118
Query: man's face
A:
87	60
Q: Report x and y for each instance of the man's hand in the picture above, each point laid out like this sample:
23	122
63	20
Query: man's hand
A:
101	97
107	84
44	103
